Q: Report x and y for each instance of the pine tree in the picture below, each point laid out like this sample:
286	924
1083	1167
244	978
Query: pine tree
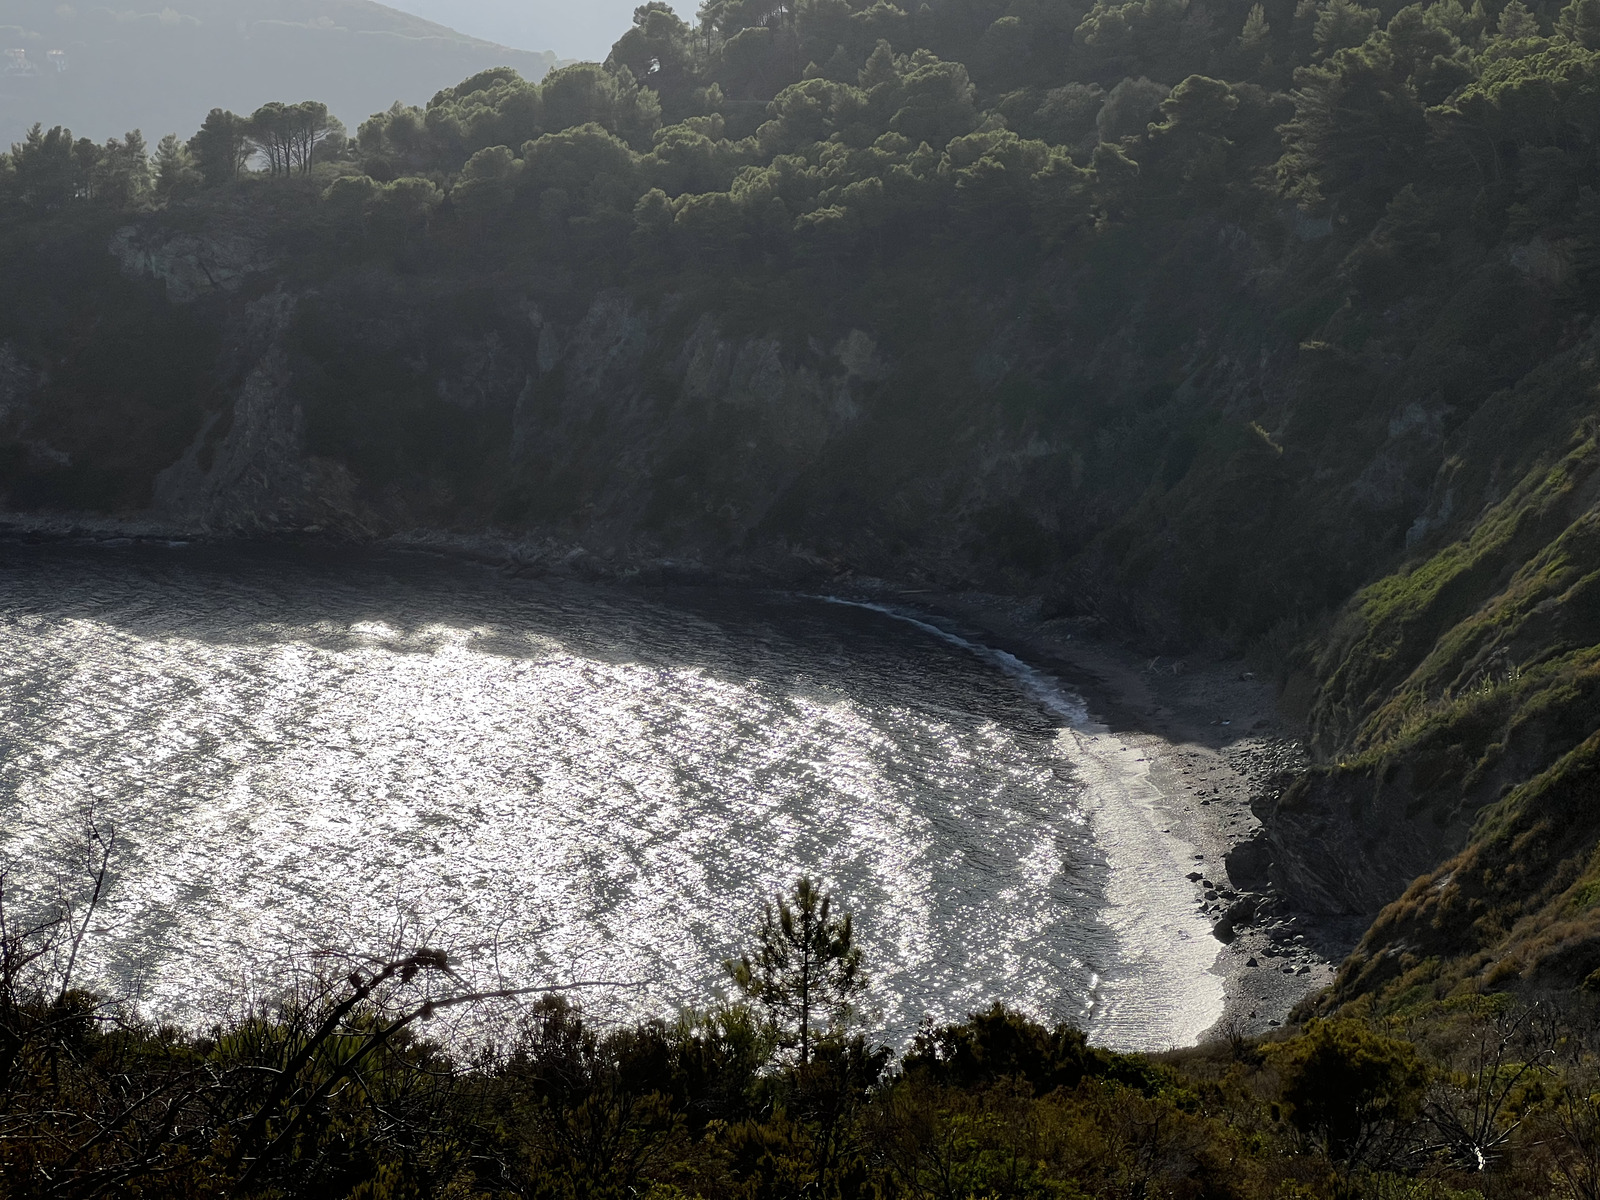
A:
121	173
46	169
1341	24
881	67
220	149
1579	22
1253	38
1517	22
176	175
709	18
806	970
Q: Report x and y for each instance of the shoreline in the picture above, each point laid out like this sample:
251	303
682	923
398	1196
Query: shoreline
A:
1206	735
1213	740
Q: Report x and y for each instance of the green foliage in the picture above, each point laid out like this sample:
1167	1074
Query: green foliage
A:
1356	134
334	1091
1343	24
997	1047
49	171
1143	34
1129	109
1579	23
45	174
1350	1090
806	970
289	136
220	147
176	177
120	176
1255	37
935	101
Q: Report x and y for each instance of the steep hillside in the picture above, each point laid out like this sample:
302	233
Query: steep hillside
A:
101	72
1268	329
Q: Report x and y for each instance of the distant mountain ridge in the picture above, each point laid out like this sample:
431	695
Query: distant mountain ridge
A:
100	73
579	31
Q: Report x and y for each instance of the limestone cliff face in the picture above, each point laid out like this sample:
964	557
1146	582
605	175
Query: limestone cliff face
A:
191	265
968	448
247	470
972	449
683	441
604	420
21	386
1157	467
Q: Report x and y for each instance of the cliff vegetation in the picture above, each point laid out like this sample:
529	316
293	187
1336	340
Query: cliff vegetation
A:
355	1083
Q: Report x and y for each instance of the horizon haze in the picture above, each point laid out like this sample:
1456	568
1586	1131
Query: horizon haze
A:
101	73
573	31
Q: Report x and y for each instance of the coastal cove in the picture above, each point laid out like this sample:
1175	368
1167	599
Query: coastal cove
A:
968	600
1007	831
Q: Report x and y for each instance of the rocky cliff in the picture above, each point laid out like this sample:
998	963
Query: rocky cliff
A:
1145	444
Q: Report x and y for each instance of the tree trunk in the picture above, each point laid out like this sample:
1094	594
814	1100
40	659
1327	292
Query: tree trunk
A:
805	992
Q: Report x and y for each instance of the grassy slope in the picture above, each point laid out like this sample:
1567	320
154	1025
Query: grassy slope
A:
1473	679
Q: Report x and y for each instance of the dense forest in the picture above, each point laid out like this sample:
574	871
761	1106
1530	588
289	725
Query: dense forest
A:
1258	329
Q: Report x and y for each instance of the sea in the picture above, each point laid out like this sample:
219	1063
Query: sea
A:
301	755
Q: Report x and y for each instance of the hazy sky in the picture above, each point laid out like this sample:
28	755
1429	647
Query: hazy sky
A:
572	28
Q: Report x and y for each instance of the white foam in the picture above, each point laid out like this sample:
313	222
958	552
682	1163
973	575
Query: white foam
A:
1161	992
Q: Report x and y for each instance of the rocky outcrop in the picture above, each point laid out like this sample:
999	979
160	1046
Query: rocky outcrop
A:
1342	843
248	470
643	429
613	417
20	388
191	265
